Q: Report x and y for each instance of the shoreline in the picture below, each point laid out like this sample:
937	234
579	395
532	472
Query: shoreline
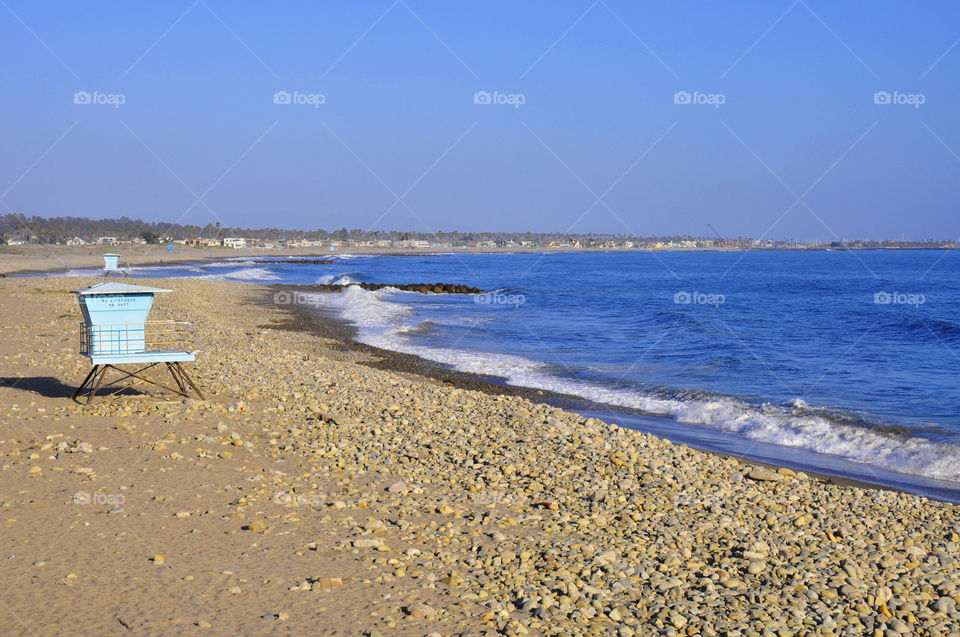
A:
312	320
822	466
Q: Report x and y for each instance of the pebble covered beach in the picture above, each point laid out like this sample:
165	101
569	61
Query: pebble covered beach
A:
315	493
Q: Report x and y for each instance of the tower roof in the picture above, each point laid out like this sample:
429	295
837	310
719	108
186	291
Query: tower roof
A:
110	287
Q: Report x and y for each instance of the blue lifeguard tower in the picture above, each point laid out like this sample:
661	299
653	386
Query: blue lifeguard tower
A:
115	331
111	265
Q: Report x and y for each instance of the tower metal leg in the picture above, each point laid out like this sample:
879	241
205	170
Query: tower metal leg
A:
86	380
189	380
173	372
100	377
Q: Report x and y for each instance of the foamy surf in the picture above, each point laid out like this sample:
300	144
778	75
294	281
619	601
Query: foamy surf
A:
229	264
383	323
77	272
246	274
336	279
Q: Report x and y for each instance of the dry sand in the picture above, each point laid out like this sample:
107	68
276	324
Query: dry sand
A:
313	493
44	258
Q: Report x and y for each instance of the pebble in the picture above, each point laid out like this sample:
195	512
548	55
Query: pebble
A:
764	475
944	605
420	611
373	525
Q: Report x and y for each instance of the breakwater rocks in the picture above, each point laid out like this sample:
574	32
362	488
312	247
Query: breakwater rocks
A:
300	261
423	288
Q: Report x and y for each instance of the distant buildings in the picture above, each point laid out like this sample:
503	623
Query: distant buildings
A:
411	243
108	234
200	242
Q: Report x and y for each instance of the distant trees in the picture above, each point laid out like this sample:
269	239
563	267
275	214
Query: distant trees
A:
36	229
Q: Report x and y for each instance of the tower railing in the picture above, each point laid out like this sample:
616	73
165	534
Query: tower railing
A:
137	338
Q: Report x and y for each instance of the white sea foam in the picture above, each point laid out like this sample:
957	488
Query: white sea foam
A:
230	264
246	274
335	279
381	323
77	272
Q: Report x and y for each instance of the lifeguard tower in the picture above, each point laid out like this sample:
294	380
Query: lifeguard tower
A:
115	331
111	265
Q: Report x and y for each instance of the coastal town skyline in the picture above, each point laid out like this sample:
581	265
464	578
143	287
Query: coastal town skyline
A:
18	229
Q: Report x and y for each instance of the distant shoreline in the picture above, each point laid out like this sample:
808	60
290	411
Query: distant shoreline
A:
37	259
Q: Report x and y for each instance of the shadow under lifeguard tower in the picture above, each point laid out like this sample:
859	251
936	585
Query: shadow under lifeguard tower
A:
115	331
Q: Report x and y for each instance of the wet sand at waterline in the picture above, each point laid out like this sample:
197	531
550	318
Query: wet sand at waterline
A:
315	493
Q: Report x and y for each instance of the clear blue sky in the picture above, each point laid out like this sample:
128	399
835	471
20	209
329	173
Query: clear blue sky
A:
598	119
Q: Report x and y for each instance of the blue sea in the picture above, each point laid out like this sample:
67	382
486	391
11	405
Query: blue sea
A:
843	362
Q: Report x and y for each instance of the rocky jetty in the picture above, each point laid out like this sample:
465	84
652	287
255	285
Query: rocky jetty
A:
298	261
423	288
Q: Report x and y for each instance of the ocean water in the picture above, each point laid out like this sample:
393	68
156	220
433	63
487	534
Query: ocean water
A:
839	361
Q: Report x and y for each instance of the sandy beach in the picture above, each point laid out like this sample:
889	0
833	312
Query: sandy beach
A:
318	490
54	258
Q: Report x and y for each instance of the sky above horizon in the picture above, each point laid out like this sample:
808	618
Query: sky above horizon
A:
796	119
